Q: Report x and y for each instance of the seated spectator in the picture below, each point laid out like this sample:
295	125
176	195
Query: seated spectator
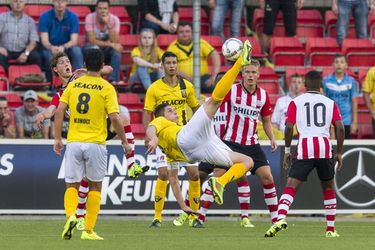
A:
183	48
368	90
103	30
159	15
26	115
7	123
296	87
58	29
18	36
220	8
146	57
343	89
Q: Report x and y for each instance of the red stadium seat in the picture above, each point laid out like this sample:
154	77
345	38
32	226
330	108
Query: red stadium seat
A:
164	40
361	104
36	10
359	52
330	23
186	14
80	11
287	51
4	9
257	50
125	19
15	71
136	116
371	24
215	42
321	51
129	42
4	83
268	80
138	130
362	76
329	70
130	100
14	100
273	99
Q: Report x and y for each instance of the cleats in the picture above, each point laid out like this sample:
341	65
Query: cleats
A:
69	228
217	190
90	236
276	227
245	222
332	234
136	170
180	220
80	223
246	53
155	224
196	223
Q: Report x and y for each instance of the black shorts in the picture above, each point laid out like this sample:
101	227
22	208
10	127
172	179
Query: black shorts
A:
300	169
110	134
208	168
272	7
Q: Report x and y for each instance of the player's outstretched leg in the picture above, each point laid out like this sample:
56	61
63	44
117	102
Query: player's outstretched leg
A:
243	189
70	205
93	207
330	207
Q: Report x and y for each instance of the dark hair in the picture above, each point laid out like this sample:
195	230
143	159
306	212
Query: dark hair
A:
338	55
3	98
159	110
103	1
168	54
184	23
295	75
94	59
313	80
55	59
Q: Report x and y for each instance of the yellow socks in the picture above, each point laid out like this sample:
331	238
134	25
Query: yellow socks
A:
160	193
194	194
225	84
234	172
92	210
70	201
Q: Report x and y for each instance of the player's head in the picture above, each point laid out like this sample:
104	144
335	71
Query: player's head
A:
184	33
340	64
61	66
296	85
167	111
169	62
94	59
102	8
250	73
313	80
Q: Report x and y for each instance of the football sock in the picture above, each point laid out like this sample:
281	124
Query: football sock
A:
160	192
206	201
130	138
82	198
243	189
194	194
70	201
330	207
187	203
270	197
225	83
93	207
234	172
285	202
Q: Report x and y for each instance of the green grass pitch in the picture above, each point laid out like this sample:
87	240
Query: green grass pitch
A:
134	234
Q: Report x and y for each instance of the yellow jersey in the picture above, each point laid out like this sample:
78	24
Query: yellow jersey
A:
167	134
184	54
160	92
136	52
369	85
90	99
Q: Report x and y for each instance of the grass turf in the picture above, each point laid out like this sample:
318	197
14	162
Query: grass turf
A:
135	234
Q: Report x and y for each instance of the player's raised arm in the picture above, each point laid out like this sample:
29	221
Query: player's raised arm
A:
45	114
59	118
118	127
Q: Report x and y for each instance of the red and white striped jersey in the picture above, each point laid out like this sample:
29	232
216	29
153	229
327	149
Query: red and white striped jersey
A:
220	120
244	110
313	114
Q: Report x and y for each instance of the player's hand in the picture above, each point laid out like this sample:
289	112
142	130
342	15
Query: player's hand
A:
39	120
286	160
338	160
79	72
354	128
188	210
58	147
152	144
273	145
127	149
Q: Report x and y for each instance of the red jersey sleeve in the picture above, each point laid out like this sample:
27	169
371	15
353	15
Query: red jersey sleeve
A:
227	97
56	99
291	113
266	109
336	114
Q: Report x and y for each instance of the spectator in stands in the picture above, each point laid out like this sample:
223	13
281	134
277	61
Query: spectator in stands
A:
103	31
343	89
26	115
146	60
344	8
58	29
220	8
18	36
159	15
271	9
183	48
296	87
368	91
7	124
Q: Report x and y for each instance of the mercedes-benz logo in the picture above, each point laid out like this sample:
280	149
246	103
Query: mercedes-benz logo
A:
360	177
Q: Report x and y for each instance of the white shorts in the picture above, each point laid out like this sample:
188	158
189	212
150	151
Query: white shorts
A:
199	142
85	159
161	161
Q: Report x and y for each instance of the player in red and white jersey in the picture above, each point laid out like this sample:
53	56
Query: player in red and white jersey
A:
313	114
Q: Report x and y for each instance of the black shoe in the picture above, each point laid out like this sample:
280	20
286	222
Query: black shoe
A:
197	223
155	224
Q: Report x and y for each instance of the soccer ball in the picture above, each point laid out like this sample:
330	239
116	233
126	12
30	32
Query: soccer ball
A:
232	49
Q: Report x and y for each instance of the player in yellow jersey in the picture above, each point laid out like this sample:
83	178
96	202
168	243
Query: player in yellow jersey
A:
197	141
90	99
180	94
